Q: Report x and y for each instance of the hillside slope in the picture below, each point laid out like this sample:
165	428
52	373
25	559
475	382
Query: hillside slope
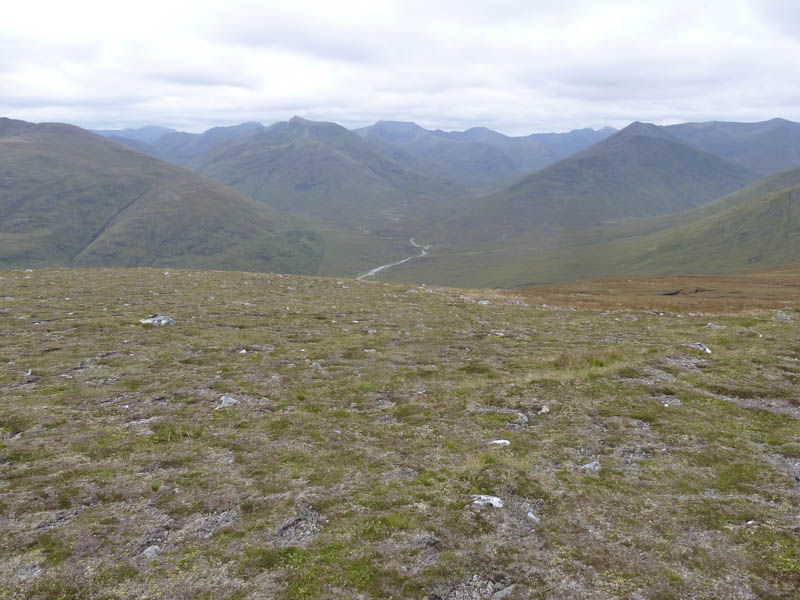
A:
70	197
766	147
756	227
324	171
300	438
478	156
636	173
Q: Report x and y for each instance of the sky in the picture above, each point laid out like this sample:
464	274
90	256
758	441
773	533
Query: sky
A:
517	66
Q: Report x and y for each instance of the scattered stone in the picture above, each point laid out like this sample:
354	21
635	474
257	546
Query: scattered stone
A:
700	346
749	333
372	331
484	302
715	326
8	298
305	526
369	350
782	316
158	320
151	551
242	351
500	443
517	303
226	401
534	517
142	422
505	592
464	298
544	410
483	500
592	466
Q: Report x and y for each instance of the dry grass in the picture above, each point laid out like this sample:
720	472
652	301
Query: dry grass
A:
343	472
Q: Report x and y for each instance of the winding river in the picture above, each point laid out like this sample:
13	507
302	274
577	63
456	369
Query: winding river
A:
423	250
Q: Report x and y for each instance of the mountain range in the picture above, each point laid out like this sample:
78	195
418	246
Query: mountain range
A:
315	197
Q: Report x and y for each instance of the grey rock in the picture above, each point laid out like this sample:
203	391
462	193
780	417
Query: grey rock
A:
151	551
500	443
504	593
782	316
142	422
592	466
715	326
225	402
700	346
158	320
482	499
484	302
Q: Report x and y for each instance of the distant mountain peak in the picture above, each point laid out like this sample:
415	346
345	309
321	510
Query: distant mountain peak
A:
642	128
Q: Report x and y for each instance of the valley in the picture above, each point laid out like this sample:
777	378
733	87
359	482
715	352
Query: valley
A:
229	368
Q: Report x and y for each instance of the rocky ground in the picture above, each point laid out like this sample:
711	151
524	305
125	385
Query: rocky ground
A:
297	437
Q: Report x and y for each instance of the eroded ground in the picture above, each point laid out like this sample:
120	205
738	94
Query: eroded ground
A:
359	432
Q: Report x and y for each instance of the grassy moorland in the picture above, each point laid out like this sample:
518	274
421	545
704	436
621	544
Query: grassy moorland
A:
638	466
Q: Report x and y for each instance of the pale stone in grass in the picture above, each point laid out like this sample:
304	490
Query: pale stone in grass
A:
482	500
592	466
500	443
158	320
226	401
700	346
151	551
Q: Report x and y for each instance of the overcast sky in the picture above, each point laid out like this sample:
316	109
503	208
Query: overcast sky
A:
518	66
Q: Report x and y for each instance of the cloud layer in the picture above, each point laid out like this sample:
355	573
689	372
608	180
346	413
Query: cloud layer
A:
517	66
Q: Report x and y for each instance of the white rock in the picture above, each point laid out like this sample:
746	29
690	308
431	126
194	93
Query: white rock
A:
544	410
158	320
504	593
490	500
533	517
700	346
484	302
226	401
500	443
715	326
592	466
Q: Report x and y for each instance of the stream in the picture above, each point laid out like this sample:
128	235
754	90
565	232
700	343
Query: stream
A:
423	251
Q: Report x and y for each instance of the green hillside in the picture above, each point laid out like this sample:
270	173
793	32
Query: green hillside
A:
756	227
637	173
324	171
70	197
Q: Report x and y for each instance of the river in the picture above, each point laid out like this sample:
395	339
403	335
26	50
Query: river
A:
423	251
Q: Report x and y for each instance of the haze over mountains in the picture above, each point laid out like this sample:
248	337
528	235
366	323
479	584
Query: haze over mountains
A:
306	196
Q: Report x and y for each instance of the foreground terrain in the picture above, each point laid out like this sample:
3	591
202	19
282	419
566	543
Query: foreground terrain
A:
303	437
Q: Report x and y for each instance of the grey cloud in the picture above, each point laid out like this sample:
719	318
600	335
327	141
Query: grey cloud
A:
515	65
